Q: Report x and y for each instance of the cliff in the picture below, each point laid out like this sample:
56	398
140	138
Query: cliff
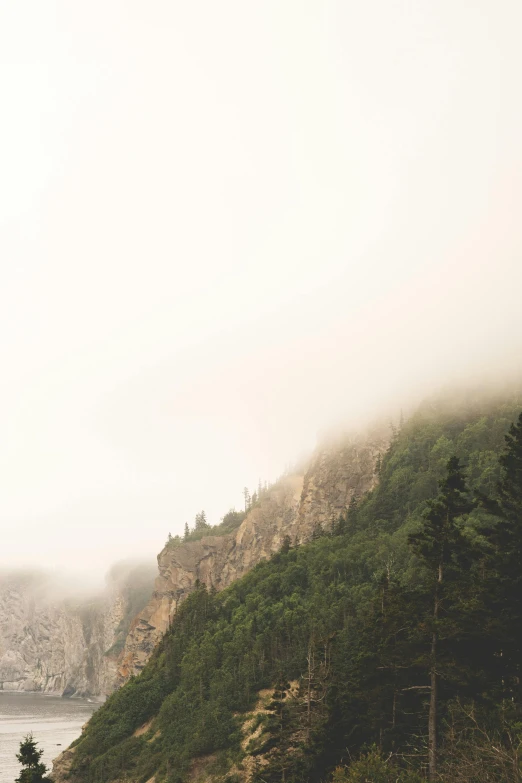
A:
338	470
54	645
239	689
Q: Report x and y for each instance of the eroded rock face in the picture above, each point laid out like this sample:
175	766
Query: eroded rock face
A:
55	645
52	646
294	506
215	561
49	645
339	469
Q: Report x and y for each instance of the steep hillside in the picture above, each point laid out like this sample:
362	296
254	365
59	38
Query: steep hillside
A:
338	470
324	648
55	645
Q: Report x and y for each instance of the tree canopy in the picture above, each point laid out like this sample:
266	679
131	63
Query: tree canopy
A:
29	756
385	645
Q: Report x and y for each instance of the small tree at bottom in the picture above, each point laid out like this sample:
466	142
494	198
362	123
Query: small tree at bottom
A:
33	771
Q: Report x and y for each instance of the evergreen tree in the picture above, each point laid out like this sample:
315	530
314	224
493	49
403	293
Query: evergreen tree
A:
505	586
317	531
248	500
445	553
281	726
346	520
338	526
186	534
173	541
201	524
352	508
374	600
286	544
33	771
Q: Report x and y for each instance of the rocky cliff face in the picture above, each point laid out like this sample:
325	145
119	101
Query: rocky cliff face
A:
294	506
53	645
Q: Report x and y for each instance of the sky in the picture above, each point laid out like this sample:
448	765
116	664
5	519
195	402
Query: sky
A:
228	227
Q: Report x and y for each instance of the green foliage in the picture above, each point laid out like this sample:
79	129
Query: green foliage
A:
470	429
345	616
374	768
504	586
29	756
230	522
446	554
440	542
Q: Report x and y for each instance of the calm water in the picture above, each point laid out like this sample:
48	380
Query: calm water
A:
54	723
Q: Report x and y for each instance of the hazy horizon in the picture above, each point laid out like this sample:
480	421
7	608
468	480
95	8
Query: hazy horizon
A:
225	228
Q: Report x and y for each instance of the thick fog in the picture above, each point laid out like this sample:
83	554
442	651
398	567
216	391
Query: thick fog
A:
226	226
66	585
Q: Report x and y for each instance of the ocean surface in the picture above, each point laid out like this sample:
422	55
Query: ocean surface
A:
53	722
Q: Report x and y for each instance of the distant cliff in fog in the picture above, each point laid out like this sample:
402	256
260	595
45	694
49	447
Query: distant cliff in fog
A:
55	644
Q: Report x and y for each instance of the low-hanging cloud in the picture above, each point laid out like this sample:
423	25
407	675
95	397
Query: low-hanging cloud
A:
228	227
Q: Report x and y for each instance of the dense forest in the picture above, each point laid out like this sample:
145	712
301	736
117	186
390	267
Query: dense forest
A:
387	648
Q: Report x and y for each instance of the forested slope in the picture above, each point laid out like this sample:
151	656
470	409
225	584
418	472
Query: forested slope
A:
386	647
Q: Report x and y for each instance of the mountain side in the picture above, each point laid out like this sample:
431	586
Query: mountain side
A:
324	649
339	470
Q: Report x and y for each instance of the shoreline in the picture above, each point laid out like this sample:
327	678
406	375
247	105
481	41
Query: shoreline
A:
55	694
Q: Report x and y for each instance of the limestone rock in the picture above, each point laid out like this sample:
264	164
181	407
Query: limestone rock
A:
55	645
49	645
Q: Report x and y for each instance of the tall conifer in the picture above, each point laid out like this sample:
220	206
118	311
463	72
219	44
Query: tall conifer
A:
443	549
505	587
33	771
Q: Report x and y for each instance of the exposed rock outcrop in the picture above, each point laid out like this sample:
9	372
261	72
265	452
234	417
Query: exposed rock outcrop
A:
213	560
51	645
293	507
62	766
340	469
54	645
337	471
